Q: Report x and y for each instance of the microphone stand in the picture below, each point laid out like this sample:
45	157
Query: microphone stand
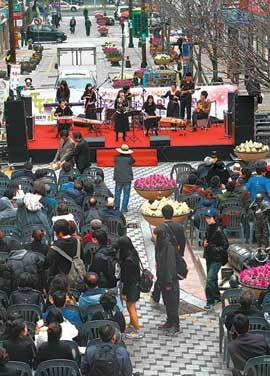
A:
107	79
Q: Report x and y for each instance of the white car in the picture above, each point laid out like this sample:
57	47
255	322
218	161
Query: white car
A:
69	7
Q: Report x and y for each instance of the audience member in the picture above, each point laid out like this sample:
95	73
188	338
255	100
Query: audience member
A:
65	171
19	345
192	185
8	243
54	348
259	184
207	200
69	331
62	213
101	188
219	169
65	150
25	172
37	244
25	294
73	191
93	360
93	211
5	370
111	312
88	188
13	192
215	186
7	211
81	152
244	176
109	211
95	225
235	171
246	345
204	167
40	189
104	260
229	194
130	277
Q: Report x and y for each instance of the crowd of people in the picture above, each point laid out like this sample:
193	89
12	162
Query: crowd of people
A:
76	269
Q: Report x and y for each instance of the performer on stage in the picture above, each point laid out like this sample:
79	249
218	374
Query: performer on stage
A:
201	110
121	115
63	92
186	90
90	98
149	109
62	110
173	105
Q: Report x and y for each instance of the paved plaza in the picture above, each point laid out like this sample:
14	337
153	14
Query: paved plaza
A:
195	350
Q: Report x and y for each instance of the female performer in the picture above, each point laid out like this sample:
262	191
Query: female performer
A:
63	92
149	110
173	105
90	98
121	115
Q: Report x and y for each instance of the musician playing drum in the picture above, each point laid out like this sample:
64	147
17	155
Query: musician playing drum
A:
90	98
121	115
149	111
63	110
173	106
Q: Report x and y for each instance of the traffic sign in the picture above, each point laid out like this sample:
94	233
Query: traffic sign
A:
37	21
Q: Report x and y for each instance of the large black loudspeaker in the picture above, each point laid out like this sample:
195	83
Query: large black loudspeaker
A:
29	117
27	106
16	131
160	141
95	142
243	119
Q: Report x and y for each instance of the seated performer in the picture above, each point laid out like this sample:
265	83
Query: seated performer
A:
90	98
149	110
173	105
201	110
63	110
121	115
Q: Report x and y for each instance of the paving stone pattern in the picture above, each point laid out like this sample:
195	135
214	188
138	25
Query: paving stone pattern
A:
195	350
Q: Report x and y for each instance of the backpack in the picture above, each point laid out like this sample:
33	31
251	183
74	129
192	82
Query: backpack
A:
105	362
147	279
113	269
77	270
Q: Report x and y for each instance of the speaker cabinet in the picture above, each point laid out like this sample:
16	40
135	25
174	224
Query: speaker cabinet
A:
28	106
160	141
16	131
95	142
30	127
244	120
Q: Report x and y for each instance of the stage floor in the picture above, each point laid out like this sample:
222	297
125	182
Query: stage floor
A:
45	137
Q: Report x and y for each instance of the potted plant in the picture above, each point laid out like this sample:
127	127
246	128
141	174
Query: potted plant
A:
103	30
114	56
155	186
256	278
162	59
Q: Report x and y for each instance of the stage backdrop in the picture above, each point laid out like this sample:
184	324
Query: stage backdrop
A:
217	94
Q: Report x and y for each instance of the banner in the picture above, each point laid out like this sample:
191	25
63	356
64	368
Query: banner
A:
218	95
15	74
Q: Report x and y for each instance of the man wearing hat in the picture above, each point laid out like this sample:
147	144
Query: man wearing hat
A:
215	252
123	176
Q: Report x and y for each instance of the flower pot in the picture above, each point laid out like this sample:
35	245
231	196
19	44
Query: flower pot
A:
257	290
252	156
156	221
115	59
152	194
163	61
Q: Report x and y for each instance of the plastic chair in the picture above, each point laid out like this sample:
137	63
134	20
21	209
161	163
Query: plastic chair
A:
88	311
76	210
191	200
93	172
231	219
74	350
234	202
201	229
23	369
180	172
116	227
259	366
232	296
90	328
30	312
51	174
258	323
4	298
266	308
3	185
25	183
58	367
3	257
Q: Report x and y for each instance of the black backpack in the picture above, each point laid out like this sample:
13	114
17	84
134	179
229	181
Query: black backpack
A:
105	362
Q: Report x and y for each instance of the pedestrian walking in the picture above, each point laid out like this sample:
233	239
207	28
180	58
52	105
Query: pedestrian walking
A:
169	250
123	176
72	25
216	255
23	36
8	61
88	25
85	13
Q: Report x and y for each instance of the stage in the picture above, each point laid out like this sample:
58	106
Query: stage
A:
184	145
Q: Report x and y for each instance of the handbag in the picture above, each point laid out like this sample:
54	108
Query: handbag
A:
147	279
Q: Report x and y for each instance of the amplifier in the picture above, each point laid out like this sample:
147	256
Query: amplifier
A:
95	142
239	256
160	141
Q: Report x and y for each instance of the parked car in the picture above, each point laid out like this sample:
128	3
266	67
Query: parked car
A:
65	6
122	11
45	33
75	2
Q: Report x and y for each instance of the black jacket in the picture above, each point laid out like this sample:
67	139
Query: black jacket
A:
26	261
175	233
102	265
25	295
82	155
165	262
5	278
130	273
21	349
219	170
217	244
37	246
123	169
116	316
57	263
53	350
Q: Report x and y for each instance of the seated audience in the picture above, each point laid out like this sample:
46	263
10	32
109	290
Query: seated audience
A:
54	348
207	200
26	294
259	184
60	282
41	176
215	186
101	188
93	211
7	210
104	260
13	193
88	188
111	311
37	244
219	169
94	225
204	167
41	190
244	176
192	185
235	171
8	243
21	260
109	211
108	338
62	212
229	194
25	172
65	172
19	345
73	191
69	331
246	345
248	308
5	370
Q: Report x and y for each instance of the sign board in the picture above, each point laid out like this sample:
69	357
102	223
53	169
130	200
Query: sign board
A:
17	7
15	74
19	23
17	16
37	21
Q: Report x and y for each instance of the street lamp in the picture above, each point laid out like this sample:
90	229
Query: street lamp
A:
11	33
123	50
143	34
130	26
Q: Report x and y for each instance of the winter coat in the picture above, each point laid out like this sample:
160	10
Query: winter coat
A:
7	211
65	151
82	155
26	261
31	212
123	173
217	245
102	266
165	263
